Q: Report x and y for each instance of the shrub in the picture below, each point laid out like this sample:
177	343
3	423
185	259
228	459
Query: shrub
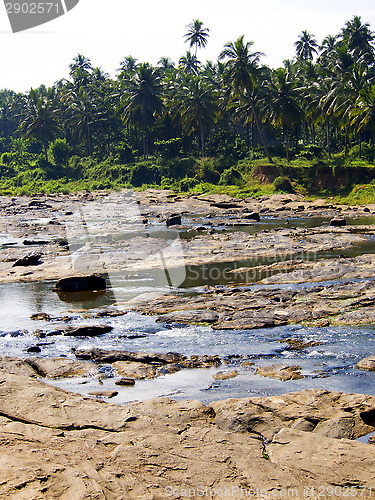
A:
187	183
144	173
231	176
283	184
60	152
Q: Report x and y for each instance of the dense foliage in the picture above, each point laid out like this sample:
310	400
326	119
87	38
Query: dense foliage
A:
148	124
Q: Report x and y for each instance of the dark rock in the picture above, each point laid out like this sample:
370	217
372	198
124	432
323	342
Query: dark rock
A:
337	222
252	216
225	205
125	381
87	331
29	260
34	349
366	209
173	220
104	356
35	242
81	283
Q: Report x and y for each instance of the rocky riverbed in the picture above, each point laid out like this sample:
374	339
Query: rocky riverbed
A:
225	265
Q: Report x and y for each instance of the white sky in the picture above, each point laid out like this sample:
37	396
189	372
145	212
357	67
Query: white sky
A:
108	30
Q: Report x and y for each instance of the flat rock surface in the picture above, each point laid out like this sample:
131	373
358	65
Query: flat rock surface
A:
57	445
344	303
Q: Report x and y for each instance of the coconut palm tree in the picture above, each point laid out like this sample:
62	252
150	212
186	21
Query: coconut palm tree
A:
281	104
142	100
189	64
306	47
197	35
242	73
196	106
40	121
359	38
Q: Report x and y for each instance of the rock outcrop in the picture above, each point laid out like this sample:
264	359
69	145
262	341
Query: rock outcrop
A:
58	445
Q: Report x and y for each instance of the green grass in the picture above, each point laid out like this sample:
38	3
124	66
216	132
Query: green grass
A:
355	177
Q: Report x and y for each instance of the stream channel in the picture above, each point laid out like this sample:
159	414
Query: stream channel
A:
329	365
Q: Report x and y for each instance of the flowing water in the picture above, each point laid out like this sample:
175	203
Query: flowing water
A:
329	365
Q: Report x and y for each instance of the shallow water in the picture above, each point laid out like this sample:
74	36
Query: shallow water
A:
330	365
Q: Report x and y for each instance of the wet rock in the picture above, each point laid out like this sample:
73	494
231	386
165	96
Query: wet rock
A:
135	370
252	216
87	330
81	284
40	317
338	222
109	314
189	317
103	394
125	381
29	260
367	363
299	344
225	375
55	368
105	356
225	205
173	220
34	349
280	372
35	242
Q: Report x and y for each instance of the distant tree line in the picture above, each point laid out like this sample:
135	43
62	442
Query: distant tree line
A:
323	98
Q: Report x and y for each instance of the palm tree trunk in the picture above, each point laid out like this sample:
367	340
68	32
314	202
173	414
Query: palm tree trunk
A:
328	139
255	115
346	141
287	145
202	137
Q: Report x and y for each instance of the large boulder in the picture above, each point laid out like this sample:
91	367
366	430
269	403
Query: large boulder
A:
81	284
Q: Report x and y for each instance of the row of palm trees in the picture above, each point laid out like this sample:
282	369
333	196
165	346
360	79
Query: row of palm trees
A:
324	96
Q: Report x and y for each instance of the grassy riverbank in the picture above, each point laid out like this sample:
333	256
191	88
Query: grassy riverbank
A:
348	180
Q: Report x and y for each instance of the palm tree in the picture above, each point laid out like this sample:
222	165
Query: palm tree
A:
40	120
196	106
358	37
80	70
197	35
242	73
306	46
363	114
189	64
142	100
281	104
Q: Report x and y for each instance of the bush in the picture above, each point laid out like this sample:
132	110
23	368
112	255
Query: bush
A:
144	173
206	171
283	184
187	183
60	152
124	153
231	176
367	151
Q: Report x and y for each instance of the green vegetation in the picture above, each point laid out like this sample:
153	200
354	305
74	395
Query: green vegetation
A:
231	126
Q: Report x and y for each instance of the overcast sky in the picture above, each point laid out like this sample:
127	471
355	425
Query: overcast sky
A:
108	30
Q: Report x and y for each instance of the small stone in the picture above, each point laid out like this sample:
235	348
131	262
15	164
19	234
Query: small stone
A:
225	375
125	381
103	394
